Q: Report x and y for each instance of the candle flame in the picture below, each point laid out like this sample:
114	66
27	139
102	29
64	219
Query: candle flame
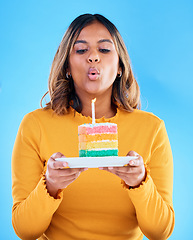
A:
94	100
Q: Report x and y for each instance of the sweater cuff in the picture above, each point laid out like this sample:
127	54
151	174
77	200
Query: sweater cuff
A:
43	183
144	182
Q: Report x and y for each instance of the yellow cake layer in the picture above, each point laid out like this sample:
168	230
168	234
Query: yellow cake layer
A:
98	145
97	137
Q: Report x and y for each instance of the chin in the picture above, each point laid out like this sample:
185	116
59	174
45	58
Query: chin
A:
93	89
94	92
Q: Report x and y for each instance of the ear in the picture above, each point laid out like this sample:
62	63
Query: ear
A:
68	69
119	72
68	72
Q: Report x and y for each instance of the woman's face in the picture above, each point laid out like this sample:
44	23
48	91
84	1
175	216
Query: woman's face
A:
94	61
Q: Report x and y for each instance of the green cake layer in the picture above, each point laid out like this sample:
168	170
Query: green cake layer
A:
98	153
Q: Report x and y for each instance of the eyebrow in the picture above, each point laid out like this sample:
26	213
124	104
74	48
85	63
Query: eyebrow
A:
100	41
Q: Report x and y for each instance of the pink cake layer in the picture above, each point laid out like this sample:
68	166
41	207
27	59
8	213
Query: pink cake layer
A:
97	137
94	129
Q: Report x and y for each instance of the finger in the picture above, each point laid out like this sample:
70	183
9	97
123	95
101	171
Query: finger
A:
132	153
75	170
83	169
52	163
126	170
106	168
132	167
118	171
133	163
111	169
71	177
57	155
70	171
136	162
64	184
57	164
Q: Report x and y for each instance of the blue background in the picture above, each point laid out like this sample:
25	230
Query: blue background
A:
159	38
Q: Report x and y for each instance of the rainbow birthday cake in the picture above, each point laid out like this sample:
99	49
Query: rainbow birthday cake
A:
98	140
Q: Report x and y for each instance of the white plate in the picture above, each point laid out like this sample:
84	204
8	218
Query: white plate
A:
95	162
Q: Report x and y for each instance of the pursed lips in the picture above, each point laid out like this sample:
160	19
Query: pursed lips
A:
93	73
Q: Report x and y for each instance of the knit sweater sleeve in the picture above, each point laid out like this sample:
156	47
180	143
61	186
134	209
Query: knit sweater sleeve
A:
33	207
153	199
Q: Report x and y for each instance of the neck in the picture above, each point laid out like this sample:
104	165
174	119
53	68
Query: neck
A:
103	106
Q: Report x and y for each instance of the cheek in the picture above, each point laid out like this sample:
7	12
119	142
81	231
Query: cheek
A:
113	68
73	64
74	60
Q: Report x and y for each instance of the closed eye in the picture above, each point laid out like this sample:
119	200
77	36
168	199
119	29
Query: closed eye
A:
81	51
104	50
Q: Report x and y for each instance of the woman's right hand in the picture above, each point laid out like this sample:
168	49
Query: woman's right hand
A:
58	176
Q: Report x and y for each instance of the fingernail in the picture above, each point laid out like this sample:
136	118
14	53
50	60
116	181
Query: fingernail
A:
131	162
85	169
110	168
65	164
101	168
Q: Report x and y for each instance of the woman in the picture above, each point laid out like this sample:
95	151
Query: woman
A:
55	202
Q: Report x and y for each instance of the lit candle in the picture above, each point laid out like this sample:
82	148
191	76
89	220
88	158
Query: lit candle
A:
93	111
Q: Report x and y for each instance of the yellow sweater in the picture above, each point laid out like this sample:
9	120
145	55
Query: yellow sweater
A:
96	205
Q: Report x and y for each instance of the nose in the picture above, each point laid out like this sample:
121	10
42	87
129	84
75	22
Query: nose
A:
93	57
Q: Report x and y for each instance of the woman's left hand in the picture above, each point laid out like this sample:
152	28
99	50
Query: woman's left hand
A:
132	174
